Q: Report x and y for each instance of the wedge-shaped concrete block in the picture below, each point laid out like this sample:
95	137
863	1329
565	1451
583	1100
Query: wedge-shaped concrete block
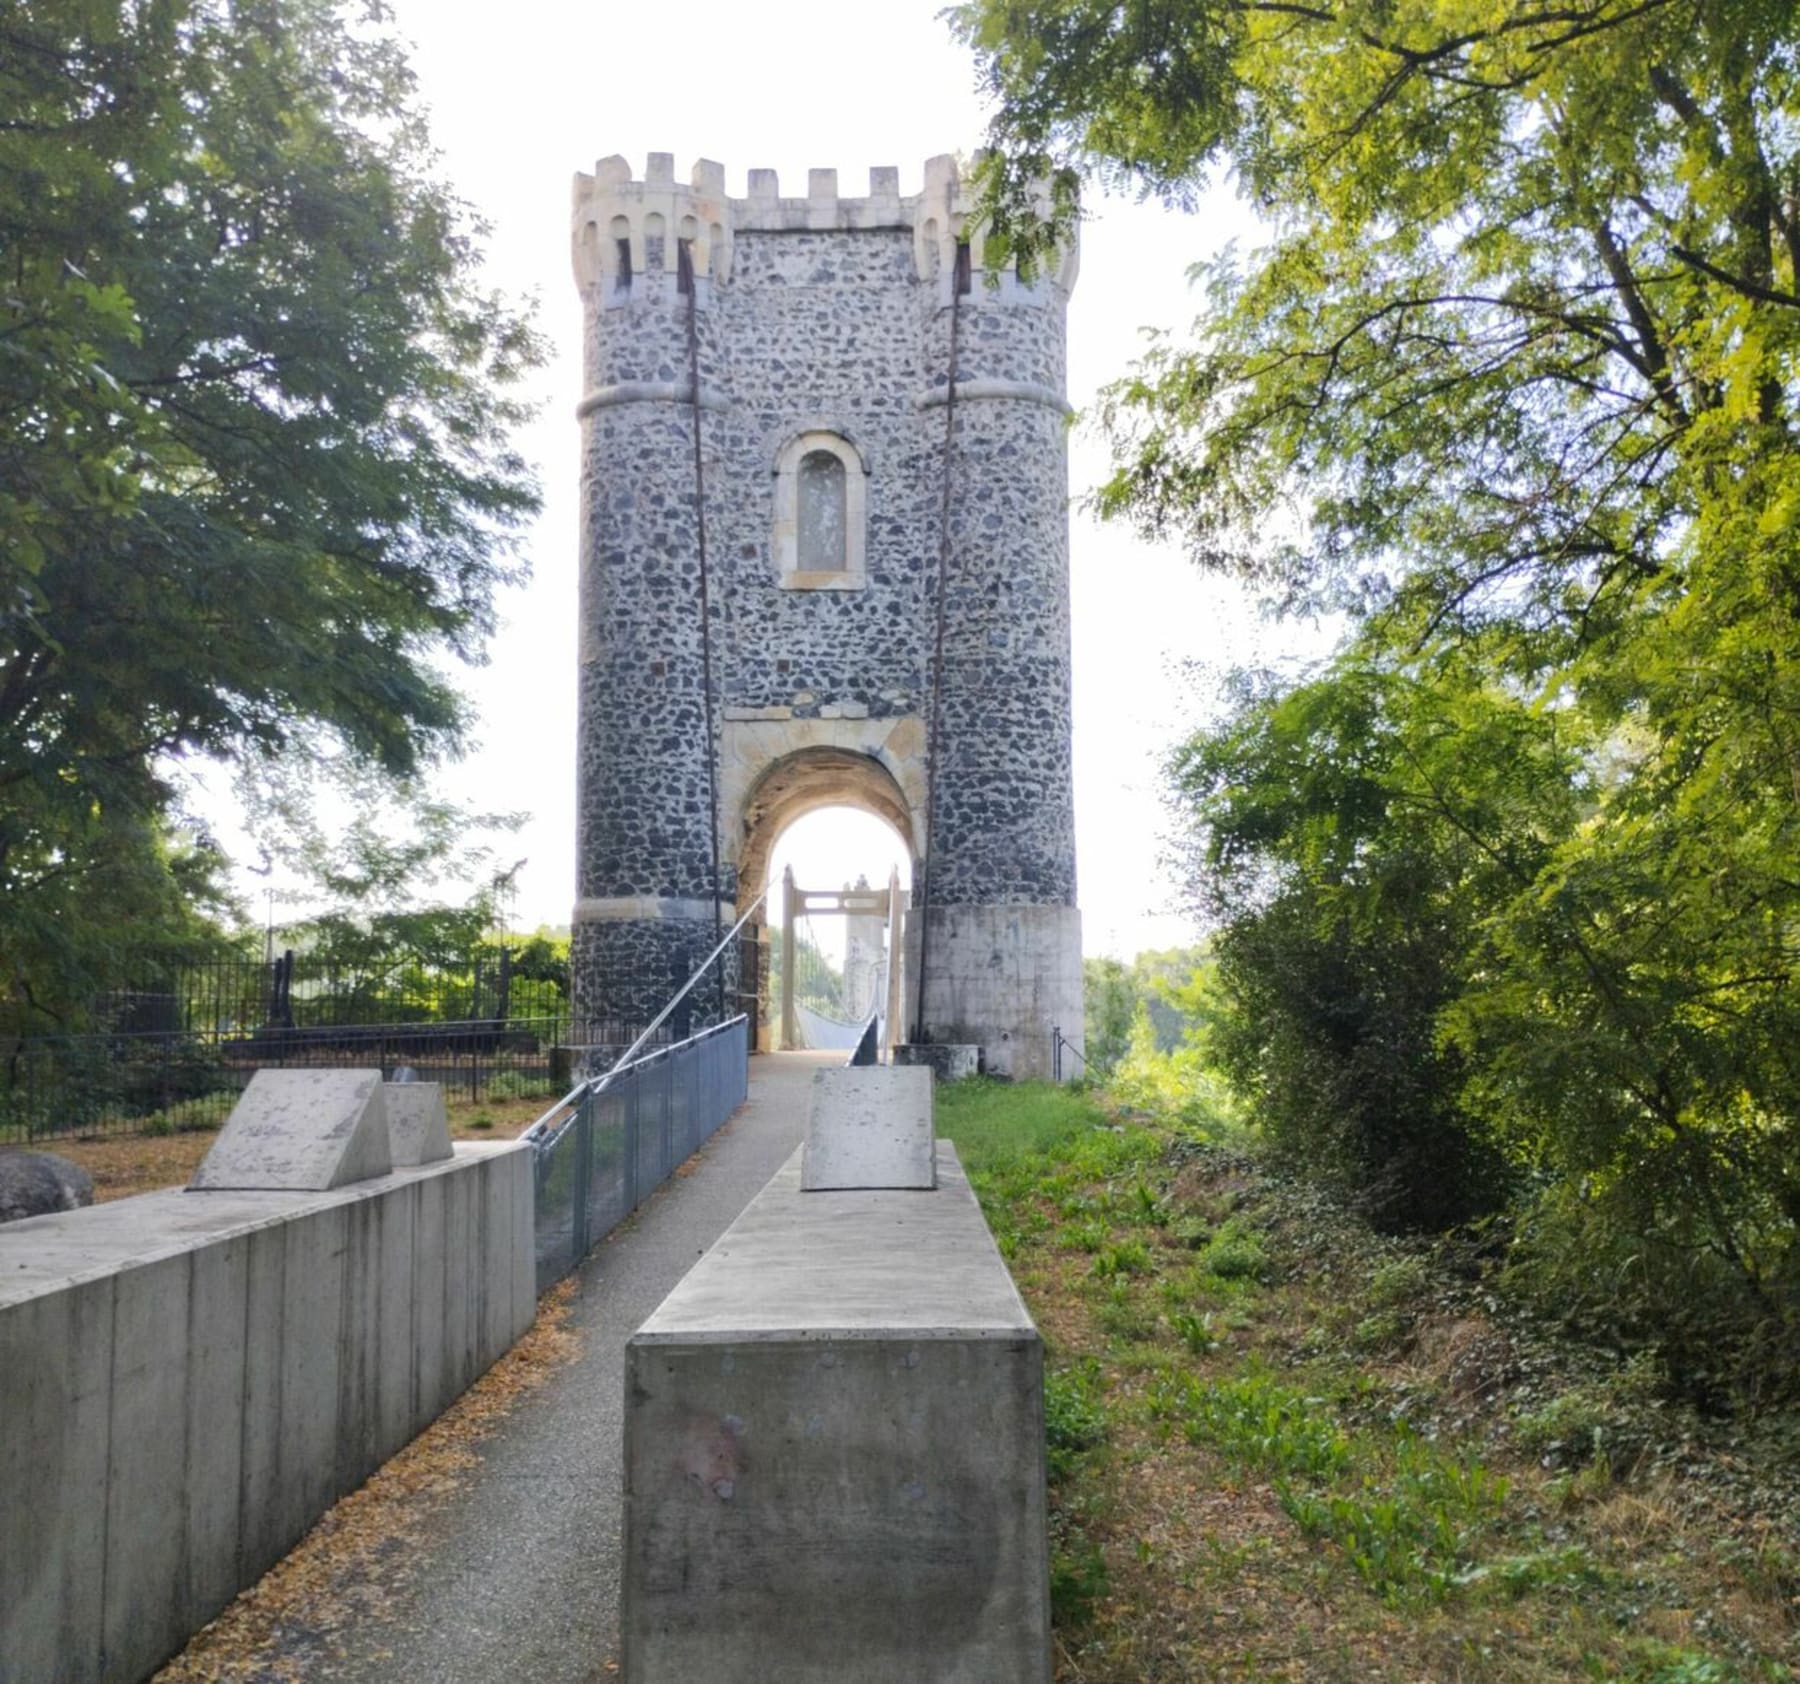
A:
301	1131
418	1126
869	1127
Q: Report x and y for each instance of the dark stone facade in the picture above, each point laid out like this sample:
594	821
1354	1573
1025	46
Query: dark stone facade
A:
833	316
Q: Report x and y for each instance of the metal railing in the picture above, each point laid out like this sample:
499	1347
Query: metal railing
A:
616	1137
615	1140
1058	1042
232	993
159	1082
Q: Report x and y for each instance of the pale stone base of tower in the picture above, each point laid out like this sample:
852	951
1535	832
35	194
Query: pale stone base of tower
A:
1002	978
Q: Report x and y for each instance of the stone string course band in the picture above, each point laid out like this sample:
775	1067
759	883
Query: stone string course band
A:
824	320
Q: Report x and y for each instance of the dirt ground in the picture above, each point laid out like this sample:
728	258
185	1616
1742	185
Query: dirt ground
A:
122	1164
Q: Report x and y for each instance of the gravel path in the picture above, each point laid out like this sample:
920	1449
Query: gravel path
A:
518	1576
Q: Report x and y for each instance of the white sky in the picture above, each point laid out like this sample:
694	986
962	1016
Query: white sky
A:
523	95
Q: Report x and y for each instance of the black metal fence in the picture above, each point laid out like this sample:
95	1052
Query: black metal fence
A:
298	990
174	1047
613	1141
158	1082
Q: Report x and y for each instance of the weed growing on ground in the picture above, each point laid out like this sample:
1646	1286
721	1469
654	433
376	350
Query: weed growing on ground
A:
1257	1472
1074	1427
1195	1329
1254	1420
1127	1257
1074	1421
1235	1253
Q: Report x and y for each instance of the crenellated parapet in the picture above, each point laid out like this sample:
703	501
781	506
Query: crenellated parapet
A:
627	234
946	215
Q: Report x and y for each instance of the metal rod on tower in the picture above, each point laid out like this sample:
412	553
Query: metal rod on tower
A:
685	278
896	993
790	902
935	727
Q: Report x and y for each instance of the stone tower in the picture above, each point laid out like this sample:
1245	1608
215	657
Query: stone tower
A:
836	472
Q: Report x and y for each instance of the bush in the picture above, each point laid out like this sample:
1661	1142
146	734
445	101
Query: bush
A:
1655	1281
1333	1029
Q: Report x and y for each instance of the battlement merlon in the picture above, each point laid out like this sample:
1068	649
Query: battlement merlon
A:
618	220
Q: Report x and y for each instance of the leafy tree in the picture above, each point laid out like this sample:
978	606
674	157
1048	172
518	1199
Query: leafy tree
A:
1158	985
1359	832
152	899
254	408
1109	1003
541	961
1514	380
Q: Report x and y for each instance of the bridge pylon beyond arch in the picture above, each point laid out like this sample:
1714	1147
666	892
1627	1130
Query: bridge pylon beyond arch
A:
824	562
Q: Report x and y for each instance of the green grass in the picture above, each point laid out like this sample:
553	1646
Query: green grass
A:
999	1125
1227	1425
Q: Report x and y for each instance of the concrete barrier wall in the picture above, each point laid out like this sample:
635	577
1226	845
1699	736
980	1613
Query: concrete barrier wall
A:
189	1380
834	1452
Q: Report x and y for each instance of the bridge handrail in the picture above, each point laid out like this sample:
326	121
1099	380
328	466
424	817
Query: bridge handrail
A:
563	1111
868	1044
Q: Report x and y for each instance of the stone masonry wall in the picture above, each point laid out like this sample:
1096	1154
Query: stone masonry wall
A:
814	314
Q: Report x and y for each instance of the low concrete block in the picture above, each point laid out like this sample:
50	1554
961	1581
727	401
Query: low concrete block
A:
418	1125
147	1464
55	1398
300	1131
947	1061
869	1127
395	1405
210	1560
834	1452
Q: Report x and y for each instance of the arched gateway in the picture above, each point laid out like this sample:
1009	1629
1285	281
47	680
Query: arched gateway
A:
817	570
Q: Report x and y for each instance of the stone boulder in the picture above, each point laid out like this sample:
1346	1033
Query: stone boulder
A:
37	1183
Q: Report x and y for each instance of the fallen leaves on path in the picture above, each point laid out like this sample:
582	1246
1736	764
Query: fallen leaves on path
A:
349	1568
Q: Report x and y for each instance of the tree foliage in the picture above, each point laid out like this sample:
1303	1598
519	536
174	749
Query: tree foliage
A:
254	408
1513	380
1358	829
1157	986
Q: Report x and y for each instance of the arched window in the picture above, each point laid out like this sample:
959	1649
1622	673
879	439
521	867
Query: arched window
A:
821	512
821	498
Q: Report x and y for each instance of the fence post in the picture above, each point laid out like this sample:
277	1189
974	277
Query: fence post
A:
669	1160
584	1170
630	1131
